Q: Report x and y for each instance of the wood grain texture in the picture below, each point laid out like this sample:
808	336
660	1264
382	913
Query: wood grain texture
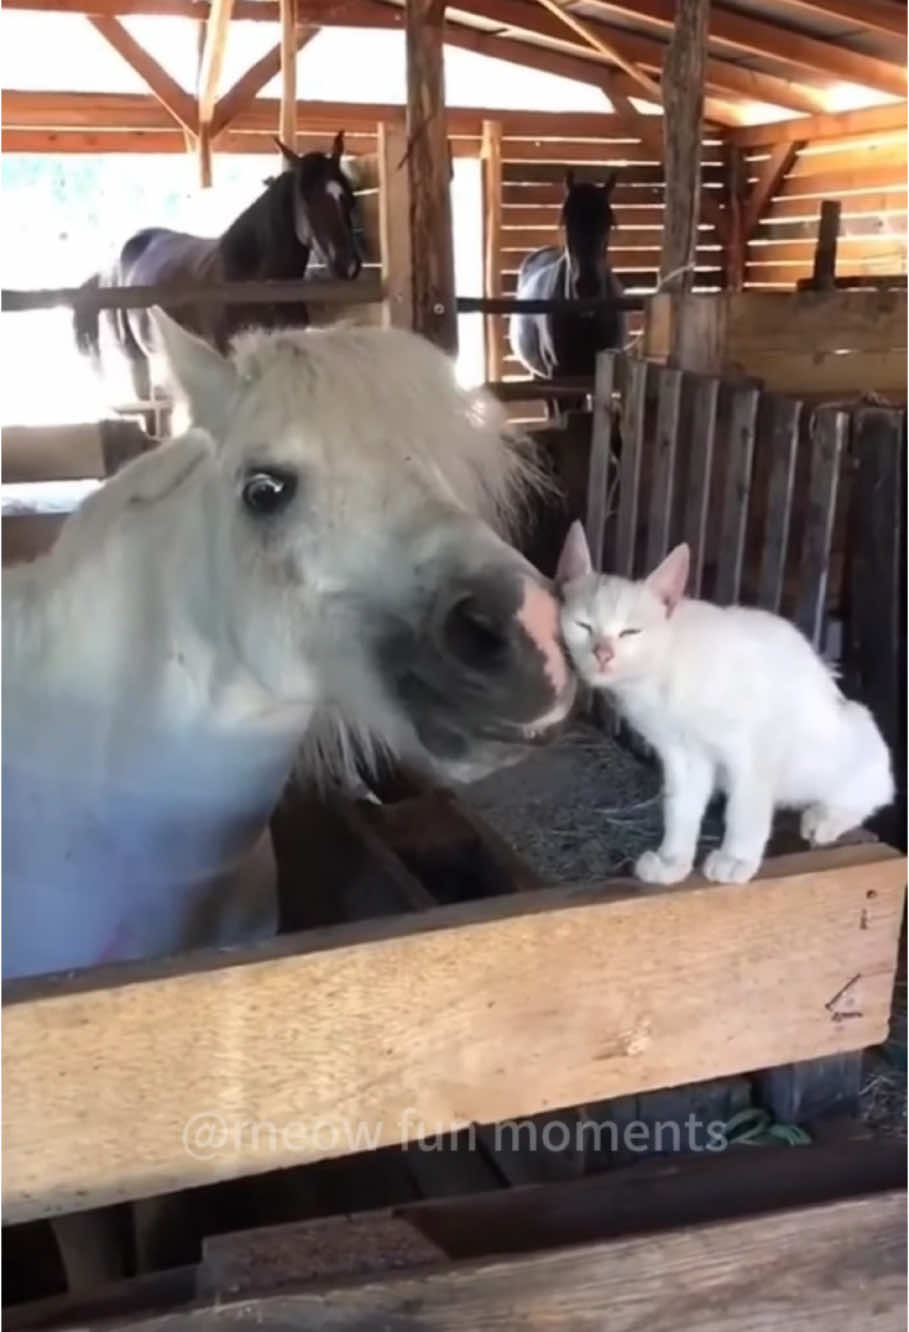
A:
683	110
840	1267
473	1013
492	241
394	226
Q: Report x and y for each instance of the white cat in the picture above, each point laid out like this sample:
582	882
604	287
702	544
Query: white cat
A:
731	699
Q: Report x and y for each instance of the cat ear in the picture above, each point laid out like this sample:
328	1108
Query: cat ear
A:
669	578
574	561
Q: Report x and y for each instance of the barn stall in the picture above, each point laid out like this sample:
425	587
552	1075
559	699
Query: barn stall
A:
506	1143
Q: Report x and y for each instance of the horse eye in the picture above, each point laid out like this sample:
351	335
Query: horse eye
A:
267	492
627	633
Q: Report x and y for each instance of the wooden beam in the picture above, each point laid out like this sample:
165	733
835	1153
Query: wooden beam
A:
758	37
881	15
162	142
288	126
834	125
210	67
683	107
166	90
734	240
824	272
770	177
434	313
394	226
152	1047
492	241
243	93
605	48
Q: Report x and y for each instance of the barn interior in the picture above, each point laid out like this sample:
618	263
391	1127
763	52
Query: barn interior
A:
756	409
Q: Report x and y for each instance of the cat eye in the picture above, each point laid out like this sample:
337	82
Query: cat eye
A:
268	490
627	633
582	624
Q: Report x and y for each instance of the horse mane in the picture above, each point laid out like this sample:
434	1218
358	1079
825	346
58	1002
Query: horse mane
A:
343	376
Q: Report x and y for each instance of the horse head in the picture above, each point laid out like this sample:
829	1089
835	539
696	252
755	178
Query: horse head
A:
325	208
587	219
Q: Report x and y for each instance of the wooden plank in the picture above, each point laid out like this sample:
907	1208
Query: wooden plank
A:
223	293
809	373
879	248
162	1045
854	205
782	419
288	119
428	168
599	482
394	226
168	92
770	176
664	464
682	90
839	1266
830	181
605	48
829	438
703	432
156	141
883	15
829	125
892	225
634	408
861	156
492	240
211	63
736	494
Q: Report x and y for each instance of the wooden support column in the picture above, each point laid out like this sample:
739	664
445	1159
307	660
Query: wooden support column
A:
431	238
683	112
735	241
287	131
824	275
492	241
210	65
394	225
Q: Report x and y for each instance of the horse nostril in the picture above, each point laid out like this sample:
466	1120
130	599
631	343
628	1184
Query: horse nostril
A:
473	635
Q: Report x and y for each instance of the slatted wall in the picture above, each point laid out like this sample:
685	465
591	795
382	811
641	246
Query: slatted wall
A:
867	173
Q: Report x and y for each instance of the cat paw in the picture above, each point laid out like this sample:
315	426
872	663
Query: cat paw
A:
721	867
652	868
822	825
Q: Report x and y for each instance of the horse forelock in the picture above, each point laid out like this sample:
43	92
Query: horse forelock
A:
391	398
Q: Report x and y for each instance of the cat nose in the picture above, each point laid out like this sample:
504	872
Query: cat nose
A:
604	651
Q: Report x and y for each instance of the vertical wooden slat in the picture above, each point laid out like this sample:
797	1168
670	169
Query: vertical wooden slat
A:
703	433
784	416
288	128
824	276
664	463
598	477
630	467
734	518
492	241
829	433
394	225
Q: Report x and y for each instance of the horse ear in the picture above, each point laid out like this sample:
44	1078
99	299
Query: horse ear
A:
609	185
204	376
574	561
569	179
337	147
290	157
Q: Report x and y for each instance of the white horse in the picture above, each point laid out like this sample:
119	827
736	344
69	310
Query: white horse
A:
322	545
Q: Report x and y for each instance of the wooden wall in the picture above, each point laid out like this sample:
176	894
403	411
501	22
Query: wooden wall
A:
867	173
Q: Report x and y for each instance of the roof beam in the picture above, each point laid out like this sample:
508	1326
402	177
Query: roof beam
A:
766	39
521	16
834	125
607	49
249	85
167	90
882	15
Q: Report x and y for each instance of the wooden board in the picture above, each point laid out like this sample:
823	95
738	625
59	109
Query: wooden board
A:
473	1013
839	1267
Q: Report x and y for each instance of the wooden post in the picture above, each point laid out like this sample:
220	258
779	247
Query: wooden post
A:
824	276
683	108
211	62
394	225
289	46
735	241
432	248
492	241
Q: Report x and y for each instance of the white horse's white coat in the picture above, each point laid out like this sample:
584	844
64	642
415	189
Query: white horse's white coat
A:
163	662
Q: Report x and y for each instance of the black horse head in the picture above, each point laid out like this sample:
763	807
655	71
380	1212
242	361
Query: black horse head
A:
324	207
587	219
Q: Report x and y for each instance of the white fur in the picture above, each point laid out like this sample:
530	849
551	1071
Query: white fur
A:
732	699
164	661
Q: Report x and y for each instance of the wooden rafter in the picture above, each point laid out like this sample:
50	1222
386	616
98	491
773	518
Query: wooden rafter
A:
210	66
287	129
604	48
882	15
835	125
166	90
244	92
771	175
757	37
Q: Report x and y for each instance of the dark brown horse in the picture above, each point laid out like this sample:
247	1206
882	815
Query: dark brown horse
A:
310	208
